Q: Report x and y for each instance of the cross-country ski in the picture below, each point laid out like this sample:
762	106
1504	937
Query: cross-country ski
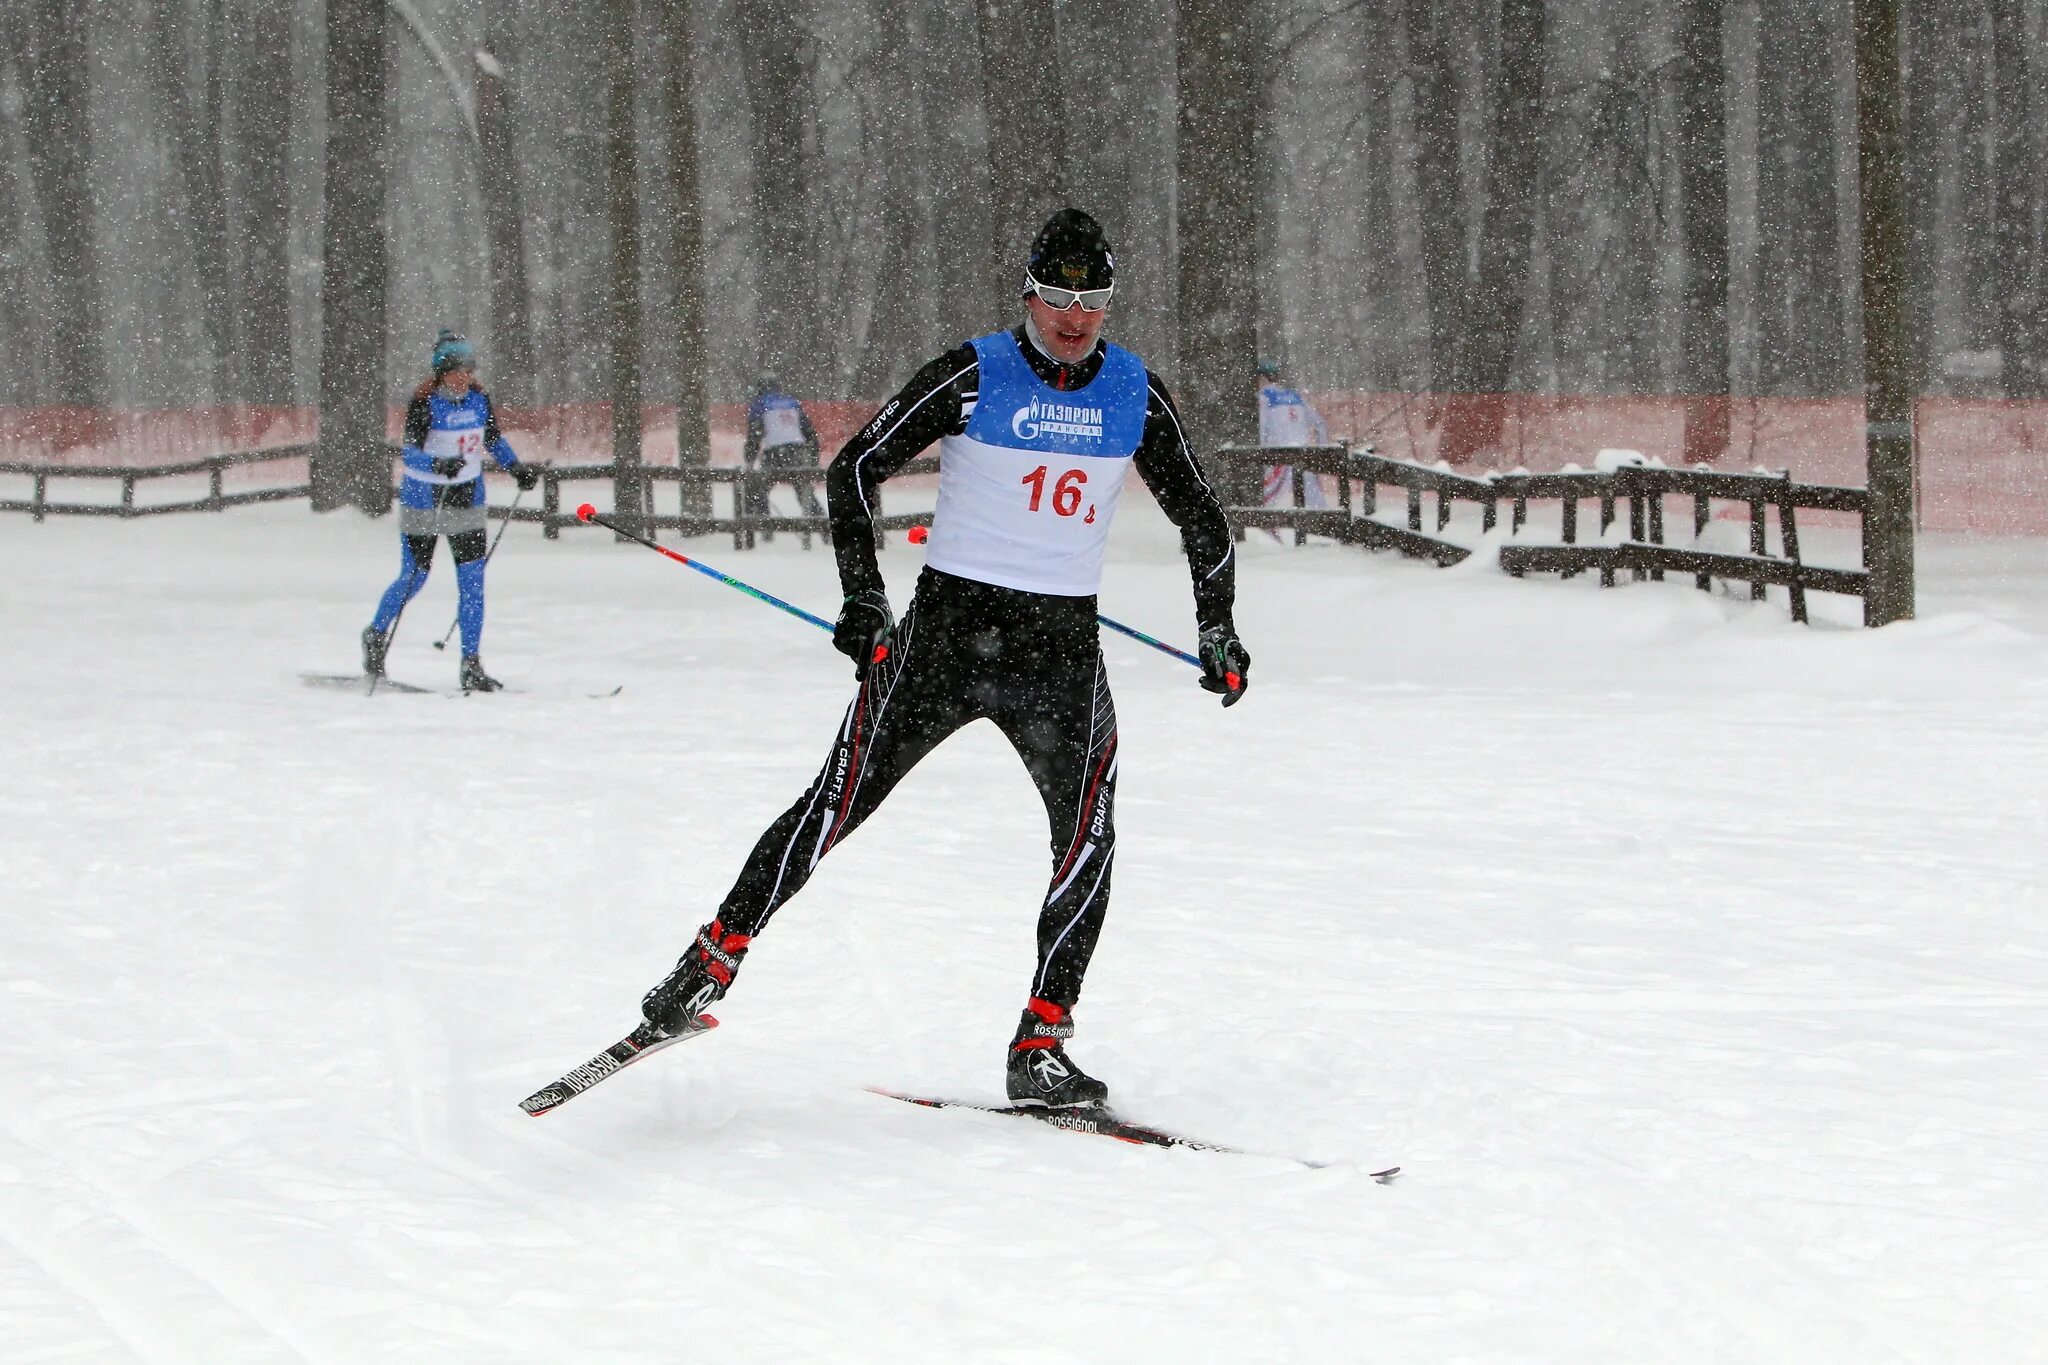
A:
364	684
643	1041
1102	1123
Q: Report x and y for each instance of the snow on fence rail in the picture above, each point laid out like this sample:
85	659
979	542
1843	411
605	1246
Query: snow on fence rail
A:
1643	487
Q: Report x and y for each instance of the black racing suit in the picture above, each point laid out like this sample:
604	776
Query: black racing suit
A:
965	650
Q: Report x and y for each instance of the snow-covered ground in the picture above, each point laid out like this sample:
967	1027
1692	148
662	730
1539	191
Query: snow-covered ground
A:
1691	963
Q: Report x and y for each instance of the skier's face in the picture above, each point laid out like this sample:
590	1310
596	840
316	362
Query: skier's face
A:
457	381
1069	333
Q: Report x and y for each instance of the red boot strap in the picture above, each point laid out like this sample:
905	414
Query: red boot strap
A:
1047	1010
1027	1044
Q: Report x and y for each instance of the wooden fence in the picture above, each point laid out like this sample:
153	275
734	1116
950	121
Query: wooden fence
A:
1642	488
39	505
1357	476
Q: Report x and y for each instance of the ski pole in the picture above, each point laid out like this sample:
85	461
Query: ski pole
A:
919	534
442	643
587	513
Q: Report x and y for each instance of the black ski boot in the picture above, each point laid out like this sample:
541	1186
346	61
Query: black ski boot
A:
1040	1071
474	679
703	973
375	643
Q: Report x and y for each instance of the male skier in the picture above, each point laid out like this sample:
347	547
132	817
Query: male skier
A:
1036	428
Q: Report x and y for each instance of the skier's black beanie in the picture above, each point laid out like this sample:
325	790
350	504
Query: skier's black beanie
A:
1071	252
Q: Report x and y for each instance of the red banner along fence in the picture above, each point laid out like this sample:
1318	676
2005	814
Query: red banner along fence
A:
1983	462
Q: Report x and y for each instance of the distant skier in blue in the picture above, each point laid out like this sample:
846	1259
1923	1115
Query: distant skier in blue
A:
448	426
780	437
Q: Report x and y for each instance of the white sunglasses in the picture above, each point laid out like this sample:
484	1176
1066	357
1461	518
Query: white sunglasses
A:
1060	300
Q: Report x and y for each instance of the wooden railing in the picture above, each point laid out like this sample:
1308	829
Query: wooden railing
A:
1357	475
694	485
1643	488
39	505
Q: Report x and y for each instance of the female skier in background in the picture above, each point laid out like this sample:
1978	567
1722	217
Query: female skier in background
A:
448	426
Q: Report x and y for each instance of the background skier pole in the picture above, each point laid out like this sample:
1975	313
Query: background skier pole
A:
489	554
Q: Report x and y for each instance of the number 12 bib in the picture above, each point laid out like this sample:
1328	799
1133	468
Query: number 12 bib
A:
1027	492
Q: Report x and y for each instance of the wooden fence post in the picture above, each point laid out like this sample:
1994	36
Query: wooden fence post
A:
1635	525
1788	532
1756	543
1704	582
1657	527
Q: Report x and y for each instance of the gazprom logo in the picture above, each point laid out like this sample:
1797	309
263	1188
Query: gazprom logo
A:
1055	419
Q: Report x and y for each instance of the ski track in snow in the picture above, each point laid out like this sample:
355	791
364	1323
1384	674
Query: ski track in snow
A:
1687	961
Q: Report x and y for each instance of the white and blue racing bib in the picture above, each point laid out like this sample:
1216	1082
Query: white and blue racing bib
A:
454	431
1028	491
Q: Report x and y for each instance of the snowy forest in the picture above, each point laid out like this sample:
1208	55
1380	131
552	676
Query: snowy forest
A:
1544	196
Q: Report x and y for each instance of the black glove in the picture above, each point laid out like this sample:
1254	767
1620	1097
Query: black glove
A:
1226	667
448	466
526	476
864	625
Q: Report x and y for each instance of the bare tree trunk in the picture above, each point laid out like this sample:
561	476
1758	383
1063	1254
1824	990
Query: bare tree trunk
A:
1214	227
1119	159
1803	336
1439	196
1270	192
1888	394
686	258
954	120
1381	327
17	348
1703	194
265	128
195	126
1027	135
1486	343
352	466
1922	36
502	193
60	161
901	331
622	198
783	107
2013	216
1974	297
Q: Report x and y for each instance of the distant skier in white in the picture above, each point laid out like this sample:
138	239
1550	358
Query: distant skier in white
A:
779	438
1286	418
